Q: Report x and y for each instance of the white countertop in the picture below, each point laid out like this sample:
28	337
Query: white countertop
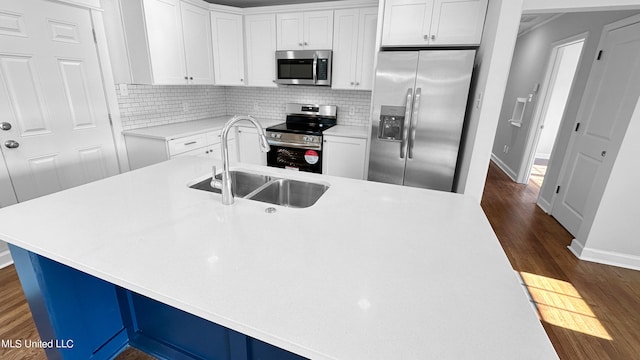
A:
348	131
188	128
371	271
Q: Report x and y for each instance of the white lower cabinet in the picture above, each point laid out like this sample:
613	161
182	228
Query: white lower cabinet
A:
249	148
145	151
344	156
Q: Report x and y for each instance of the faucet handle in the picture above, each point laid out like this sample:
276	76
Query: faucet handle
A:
215	183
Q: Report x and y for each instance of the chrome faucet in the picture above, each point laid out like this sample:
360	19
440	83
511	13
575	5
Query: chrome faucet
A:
225	185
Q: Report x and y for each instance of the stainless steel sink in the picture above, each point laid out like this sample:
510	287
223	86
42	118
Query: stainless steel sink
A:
290	193
268	189
243	183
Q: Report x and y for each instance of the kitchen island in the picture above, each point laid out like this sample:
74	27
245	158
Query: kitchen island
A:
370	271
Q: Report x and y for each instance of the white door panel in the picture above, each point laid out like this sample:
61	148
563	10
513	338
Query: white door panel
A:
52	95
609	100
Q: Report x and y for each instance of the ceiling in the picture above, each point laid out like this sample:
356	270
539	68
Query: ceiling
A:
254	3
530	21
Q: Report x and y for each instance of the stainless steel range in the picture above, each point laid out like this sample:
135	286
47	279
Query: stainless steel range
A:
297	143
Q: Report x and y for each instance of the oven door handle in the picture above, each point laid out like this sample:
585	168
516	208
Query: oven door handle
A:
295	145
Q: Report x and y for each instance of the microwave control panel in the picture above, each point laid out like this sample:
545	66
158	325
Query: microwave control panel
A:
323	69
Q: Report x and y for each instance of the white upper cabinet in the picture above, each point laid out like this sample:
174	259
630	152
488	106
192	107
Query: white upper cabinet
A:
228	48
260	34
197	44
354	37
433	22
166	47
311	30
161	45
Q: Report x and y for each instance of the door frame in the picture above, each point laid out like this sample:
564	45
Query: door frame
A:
108	82
542	106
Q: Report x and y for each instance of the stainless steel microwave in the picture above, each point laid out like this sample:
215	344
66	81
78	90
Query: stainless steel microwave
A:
304	67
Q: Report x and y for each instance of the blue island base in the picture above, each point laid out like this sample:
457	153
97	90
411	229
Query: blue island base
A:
83	317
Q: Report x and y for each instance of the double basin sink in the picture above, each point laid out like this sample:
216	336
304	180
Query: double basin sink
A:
269	189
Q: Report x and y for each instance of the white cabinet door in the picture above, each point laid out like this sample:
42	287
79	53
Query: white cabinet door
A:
312	30
260	32
354	37
228	50
345	49
248	147
407	22
164	35
290	31
196	29
457	22
214	145
433	22
344	156
368	23
318	30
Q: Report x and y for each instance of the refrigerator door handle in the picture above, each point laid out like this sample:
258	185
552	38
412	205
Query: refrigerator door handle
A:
414	121
407	117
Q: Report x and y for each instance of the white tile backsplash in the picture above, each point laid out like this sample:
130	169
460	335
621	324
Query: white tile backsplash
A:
149	105
269	103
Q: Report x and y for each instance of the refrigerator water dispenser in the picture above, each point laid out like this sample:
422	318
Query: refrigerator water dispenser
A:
391	123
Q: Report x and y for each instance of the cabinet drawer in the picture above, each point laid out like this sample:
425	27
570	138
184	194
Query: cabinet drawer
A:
177	146
215	137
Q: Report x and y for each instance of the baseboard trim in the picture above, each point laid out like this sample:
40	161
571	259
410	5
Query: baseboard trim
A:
604	257
5	259
507	170
544	205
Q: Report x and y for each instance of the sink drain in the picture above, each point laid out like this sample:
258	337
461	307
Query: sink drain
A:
270	210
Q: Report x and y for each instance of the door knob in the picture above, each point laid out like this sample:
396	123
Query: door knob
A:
5	126
11	144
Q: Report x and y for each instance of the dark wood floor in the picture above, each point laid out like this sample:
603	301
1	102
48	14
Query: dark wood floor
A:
589	311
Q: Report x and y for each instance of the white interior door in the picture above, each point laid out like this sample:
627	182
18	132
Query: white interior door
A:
609	100
52	98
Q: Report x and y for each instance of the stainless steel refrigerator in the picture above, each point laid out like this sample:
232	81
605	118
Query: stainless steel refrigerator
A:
419	104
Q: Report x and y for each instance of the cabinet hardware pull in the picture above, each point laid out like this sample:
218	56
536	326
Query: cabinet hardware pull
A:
5	126
426	37
186	78
191	78
306	43
433	37
190	143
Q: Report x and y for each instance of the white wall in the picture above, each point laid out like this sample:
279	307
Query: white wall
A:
493	60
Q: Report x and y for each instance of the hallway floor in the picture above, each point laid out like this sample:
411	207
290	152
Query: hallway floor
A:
589	310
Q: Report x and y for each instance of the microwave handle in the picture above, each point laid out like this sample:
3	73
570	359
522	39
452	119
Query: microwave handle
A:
315	68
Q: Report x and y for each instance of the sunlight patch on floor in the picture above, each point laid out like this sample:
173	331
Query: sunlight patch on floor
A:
538	171
560	304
